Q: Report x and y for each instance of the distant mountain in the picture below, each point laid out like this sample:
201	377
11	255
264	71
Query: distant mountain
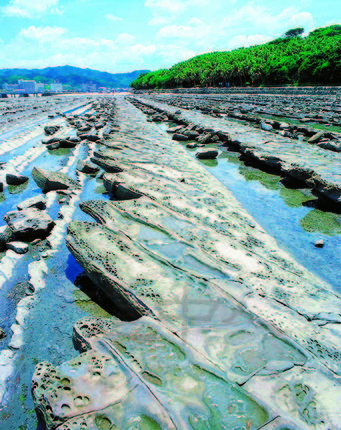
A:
69	75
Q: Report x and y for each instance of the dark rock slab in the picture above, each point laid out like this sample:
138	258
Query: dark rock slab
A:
51	129
87	167
207	155
49	180
179	137
6	235
53	146
12	179
29	224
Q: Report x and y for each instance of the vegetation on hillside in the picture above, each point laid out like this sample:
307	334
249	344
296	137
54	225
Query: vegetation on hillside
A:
291	59
68	75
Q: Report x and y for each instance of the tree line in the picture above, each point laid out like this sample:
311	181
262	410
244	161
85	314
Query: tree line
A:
291	59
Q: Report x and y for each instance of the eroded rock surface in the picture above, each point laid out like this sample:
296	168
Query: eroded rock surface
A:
227	331
29	223
115	381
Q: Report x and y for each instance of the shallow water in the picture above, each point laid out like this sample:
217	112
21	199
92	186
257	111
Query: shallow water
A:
280	211
292	121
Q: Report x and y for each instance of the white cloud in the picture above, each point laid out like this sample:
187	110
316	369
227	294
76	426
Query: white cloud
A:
173	53
195	21
304	19
185	31
124	38
169	6
245	41
114	18
258	18
181	31
159	20
42	33
140	49
30	8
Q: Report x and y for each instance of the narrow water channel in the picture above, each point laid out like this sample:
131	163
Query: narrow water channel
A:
283	212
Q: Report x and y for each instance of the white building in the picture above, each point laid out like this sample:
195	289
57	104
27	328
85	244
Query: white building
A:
89	87
10	87
56	87
28	86
40	88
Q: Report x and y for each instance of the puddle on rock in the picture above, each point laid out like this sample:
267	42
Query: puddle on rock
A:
283	212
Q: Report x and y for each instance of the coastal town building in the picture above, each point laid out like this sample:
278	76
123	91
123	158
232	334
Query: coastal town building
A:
89	87
56	87
29	86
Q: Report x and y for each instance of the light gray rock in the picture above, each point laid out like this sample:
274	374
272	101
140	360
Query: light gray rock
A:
266	127
87	167
18	247
38	202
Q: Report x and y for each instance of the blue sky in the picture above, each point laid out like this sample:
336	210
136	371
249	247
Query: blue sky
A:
120	36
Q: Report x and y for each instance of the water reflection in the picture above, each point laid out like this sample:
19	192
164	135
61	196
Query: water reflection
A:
271	182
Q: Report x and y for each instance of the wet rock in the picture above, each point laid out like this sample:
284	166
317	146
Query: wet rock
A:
6	235
179	137
319	243
50	140
38	202
119	190
91	137
113	384
317	137
1	187
331	145
192	145
107	164
265	126
174	129
285	133
109	283
191	134
18	247
49	180
2	333
67	143
87	167
224	137
29	224
12	179
53	146
207	155
207	138
51	129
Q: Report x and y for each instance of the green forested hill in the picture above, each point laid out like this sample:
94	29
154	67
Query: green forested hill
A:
315	60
